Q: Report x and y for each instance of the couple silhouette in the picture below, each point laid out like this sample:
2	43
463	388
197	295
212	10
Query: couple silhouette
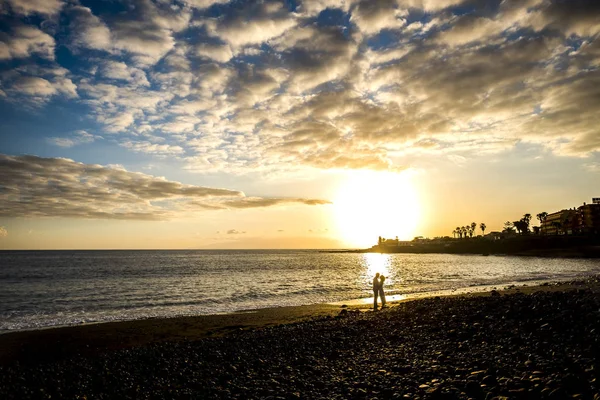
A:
378	291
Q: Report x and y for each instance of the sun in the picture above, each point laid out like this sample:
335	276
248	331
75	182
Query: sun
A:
371	204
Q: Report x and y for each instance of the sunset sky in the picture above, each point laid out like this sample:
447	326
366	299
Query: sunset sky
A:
294	124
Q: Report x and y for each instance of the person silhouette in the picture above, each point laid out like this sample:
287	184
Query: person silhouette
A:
375	291
381	292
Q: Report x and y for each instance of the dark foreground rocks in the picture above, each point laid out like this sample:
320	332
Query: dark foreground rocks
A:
543	345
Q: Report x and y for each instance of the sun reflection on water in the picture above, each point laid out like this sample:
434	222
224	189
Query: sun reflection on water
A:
377	262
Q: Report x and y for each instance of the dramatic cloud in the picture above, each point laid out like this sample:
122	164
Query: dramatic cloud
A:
273	86
38	90
27	7
56	187
88	30
26	41
372	16
255	23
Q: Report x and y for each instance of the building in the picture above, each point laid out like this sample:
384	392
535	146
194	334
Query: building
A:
582	220
589	218
560	223
385	243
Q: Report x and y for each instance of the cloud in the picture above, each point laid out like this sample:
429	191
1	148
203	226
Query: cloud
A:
39	90
257	202
56	187
579	17
232	87
372	16
26	41
27	7
87	30
77	138
314	7
3	232
148	29
315	55
429	5
219	53
122	72
256	22
235	232
153	148
201	4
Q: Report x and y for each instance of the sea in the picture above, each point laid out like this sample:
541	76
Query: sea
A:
40	289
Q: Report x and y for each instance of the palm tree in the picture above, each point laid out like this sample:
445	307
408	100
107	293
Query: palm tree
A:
482	226
542	218
525	222
508	227
473	226
458	232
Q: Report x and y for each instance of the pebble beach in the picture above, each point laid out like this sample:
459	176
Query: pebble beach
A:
520	343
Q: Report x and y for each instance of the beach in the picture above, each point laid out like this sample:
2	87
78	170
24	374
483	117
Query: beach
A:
518	342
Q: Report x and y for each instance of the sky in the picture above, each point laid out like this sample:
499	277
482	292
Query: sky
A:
197	124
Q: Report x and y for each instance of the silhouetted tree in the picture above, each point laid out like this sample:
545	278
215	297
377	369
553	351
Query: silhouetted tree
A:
458	232
536	230
482	226
542	218
472	230
525	221
508	227
517	226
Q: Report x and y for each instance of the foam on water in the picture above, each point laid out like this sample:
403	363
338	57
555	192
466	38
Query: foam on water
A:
54	288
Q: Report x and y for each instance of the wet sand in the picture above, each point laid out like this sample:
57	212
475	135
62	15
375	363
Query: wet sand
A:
524	342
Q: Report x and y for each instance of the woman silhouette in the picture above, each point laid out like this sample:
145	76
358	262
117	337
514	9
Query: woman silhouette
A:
381	292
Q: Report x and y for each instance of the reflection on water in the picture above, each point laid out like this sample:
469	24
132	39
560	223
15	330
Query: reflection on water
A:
42	288
378	263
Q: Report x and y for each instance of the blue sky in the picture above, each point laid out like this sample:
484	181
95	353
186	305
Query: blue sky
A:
281	103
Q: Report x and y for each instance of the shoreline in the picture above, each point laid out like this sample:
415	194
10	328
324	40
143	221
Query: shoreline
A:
520	342
358	303
97	337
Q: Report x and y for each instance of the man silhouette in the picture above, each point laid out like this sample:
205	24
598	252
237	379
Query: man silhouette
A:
375	291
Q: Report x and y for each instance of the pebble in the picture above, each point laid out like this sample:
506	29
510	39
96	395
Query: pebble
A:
448	348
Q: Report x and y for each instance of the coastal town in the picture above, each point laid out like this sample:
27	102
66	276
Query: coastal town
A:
568	232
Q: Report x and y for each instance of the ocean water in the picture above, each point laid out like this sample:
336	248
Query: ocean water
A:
52	288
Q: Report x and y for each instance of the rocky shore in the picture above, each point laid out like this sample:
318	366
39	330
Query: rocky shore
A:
540	344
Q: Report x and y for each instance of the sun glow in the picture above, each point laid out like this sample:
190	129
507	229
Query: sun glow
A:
371	204
377	263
